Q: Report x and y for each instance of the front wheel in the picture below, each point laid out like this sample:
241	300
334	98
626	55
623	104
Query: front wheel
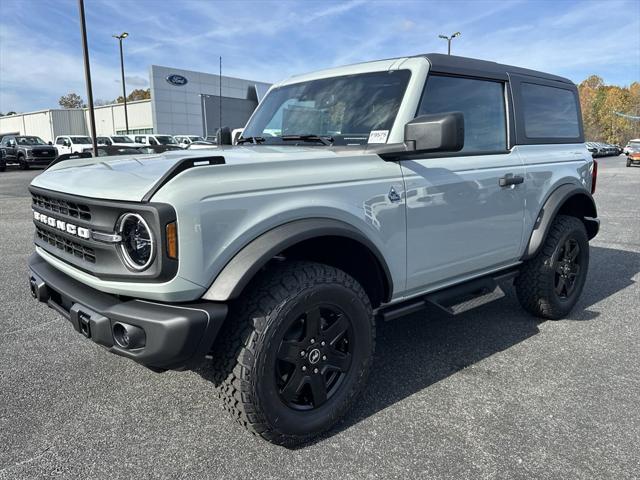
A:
23	163
550	283
295	352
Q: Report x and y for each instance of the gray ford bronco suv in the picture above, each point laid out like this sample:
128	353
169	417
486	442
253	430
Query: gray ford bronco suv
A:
356	194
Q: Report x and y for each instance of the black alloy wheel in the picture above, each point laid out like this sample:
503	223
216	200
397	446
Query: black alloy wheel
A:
567	268
314	356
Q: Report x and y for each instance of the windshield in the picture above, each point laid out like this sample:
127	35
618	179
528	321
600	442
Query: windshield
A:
30	141
166	140
634	144
81	140
195	138
347	109
122	139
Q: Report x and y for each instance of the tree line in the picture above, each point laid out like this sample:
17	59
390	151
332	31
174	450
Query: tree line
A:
607	111
73	100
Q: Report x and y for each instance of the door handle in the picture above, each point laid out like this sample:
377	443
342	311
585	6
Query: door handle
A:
510	179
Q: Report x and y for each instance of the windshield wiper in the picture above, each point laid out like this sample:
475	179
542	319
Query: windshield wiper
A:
253	140
325	140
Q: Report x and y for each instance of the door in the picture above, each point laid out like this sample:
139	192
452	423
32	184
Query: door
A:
464	210
10	149
63	145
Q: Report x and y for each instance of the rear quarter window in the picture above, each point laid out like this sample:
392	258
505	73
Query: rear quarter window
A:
549	112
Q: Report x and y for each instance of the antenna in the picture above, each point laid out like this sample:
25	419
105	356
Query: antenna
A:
220	98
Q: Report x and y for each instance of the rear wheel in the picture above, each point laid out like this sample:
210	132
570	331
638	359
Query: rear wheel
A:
550	284
295	352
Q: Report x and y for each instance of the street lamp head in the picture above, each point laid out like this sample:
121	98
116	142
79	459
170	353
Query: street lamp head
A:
457	34
444	37
122	36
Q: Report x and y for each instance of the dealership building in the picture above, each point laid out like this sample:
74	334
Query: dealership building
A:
182	102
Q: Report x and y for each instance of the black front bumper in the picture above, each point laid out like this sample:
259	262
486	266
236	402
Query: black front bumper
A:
38	161
177	336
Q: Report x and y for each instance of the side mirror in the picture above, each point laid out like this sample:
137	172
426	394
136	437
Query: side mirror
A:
50	142
439	132
224	136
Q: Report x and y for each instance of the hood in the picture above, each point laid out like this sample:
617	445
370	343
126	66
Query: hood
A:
130	178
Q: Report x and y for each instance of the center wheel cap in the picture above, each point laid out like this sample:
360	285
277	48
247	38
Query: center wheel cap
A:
314	356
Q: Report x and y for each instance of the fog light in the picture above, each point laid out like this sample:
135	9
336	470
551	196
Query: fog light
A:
128	336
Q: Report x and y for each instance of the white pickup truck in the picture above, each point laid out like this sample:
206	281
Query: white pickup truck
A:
72	143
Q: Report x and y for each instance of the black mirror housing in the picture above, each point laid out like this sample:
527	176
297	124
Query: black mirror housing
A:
439	132
224	136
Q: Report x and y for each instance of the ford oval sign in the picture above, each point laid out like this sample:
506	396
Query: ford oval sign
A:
177	80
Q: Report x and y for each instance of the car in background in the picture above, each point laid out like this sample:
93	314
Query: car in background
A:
185	140
633	158
72	143
632	146
211	138
27	151
593	148
155	139
117	141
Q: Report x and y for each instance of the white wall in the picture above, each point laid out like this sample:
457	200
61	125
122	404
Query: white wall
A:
110	118
46	124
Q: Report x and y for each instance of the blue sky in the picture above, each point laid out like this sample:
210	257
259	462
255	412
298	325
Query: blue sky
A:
41	58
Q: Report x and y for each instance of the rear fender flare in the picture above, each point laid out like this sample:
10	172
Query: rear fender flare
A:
582	206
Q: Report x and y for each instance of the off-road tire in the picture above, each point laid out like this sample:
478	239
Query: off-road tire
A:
251	332
535	284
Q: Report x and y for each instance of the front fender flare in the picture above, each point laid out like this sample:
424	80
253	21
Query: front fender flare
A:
585	209
236	274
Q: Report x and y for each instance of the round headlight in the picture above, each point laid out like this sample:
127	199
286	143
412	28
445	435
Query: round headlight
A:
137	241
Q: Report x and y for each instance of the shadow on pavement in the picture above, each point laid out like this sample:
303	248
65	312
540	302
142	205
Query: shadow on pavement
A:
419	350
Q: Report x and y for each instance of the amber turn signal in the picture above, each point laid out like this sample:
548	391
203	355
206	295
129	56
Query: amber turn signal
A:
172	240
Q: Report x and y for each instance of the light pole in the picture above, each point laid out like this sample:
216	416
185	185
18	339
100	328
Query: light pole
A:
121	37
87	76
448	39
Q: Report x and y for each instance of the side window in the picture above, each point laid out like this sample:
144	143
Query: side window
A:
481	102
139	140
549	112
152	141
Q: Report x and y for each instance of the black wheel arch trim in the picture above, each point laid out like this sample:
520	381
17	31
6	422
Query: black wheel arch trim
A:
552	206
239	271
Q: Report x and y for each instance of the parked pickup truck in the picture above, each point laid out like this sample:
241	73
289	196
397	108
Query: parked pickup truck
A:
69	144
356	194
27	151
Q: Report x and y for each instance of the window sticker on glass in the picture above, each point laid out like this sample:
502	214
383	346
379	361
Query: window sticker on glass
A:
378	136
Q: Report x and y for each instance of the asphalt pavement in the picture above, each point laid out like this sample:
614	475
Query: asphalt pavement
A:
492	393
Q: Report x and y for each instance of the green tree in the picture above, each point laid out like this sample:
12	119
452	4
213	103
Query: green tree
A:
71	100
600	105
137	94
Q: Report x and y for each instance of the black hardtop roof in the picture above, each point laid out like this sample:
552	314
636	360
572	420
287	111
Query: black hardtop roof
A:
474	67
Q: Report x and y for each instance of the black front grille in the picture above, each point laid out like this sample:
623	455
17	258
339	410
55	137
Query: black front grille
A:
71	209
43	153
69	246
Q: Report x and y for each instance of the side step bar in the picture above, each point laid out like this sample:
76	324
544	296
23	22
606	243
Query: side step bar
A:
456	299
